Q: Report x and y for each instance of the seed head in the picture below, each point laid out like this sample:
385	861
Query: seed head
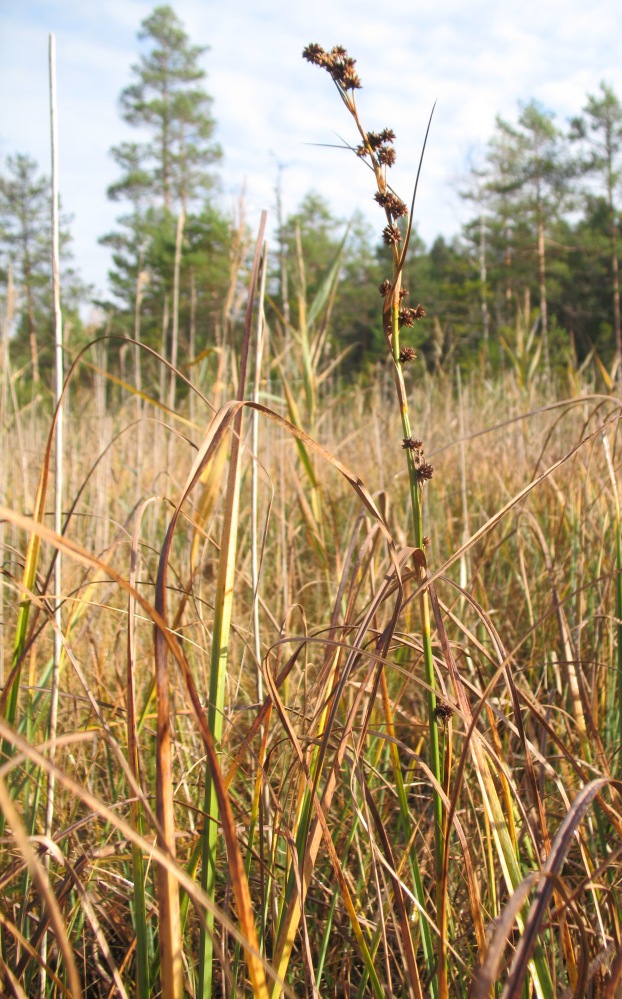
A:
346	76
424	471
374	139
337	63
410	444
391	235
393	205
409	316
315	54
407	354
386	156
385	288
443	711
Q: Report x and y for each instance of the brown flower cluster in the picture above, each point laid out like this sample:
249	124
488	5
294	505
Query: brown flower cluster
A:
386	156
391	235
391	203
407	354
443	711
337	63
423	469
408	317
380	145
378	139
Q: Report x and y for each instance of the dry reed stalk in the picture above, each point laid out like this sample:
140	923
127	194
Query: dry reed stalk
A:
220	639
179	232
59	466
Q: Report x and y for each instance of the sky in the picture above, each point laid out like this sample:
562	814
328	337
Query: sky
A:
476	59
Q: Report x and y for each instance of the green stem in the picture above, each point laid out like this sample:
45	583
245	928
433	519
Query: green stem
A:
424	607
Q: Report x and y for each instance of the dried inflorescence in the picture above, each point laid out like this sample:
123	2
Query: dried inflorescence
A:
407	354
391	235
337	63
378	139
408	317
423	469
443	711
340	66
377	148
386	156
378	145
391	203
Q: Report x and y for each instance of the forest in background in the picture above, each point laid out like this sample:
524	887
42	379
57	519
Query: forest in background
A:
532	277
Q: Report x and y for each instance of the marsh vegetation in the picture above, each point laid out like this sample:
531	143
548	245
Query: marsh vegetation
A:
332	704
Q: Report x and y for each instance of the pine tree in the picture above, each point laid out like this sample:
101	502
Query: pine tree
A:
25	238
530	180
600	129
163	180
167	98
26	248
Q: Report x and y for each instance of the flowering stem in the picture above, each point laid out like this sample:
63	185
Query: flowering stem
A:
377	151
416	497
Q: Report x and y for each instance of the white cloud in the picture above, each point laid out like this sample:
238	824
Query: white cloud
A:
478	60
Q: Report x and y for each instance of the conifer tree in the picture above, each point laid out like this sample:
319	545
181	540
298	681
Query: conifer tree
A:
600	129
531	182
161	178
26	247
167	98
24	231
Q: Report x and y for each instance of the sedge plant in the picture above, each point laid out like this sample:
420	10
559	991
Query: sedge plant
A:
377	150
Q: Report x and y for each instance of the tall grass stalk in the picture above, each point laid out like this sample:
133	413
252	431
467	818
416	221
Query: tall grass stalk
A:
179	235
377	150
59	470
618	589
260	789
143	955
142	278
258	359
220	639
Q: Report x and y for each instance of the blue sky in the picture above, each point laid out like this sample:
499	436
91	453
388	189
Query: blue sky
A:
477	59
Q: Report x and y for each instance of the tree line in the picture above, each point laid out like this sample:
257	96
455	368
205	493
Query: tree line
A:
535	269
